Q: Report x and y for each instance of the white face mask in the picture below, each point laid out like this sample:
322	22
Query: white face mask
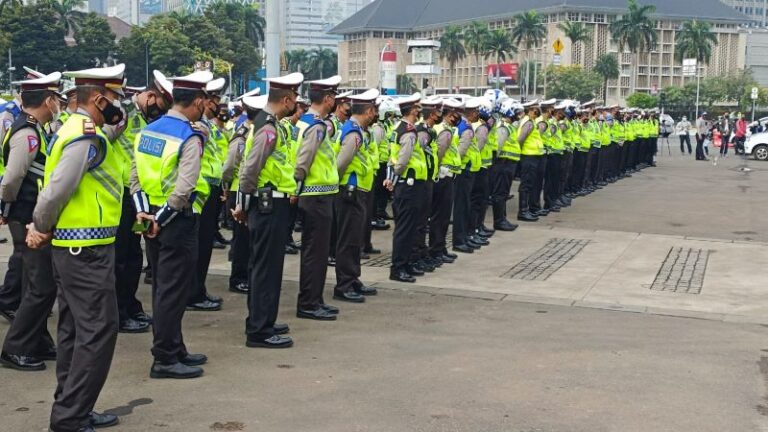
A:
56	113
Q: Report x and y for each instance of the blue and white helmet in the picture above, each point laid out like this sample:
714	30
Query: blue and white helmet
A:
510	107
496	98
486	108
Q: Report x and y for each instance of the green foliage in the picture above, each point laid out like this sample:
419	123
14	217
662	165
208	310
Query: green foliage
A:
576	31
452	47
607	66
695	39
642	100
316	63
405	84
95	43
36	40
636	29
572	82
529	29
499	47
67	14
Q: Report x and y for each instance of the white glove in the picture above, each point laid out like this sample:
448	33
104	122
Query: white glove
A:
444	171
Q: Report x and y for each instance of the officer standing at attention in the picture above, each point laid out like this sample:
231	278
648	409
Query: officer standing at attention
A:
240	249
532	152
169	195
335	121
147	107
465	141
266	185
317	183
28	343
291	133
79	211
406	176
357	176
507	157
211	164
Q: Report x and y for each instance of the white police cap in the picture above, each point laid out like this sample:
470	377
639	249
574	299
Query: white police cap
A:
45	82
197	80
365	98
327	84
110	78
162	83
216	86
255	102
254	92
287	82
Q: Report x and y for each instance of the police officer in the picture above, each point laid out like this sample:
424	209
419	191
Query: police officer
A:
382	132
211	165
545	129
481	186
291	134
317	181
240	250
554	159
407	173
449	164
356	175
507	158
169	195
79	210
335	121
28	343
266	185
531	153
464	137
145	107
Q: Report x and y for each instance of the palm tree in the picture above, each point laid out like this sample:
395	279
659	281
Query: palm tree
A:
578	33
254	25
475	40
9	3
695	39
500	46
67	14
636	31
320	61
405	84
529	30
296	60
607	66
452	48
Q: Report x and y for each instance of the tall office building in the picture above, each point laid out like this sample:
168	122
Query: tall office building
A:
306	22
198	6
98	6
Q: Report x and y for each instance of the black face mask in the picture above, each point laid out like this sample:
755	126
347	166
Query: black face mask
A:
153	112
224	116
293	110
439	120
112	114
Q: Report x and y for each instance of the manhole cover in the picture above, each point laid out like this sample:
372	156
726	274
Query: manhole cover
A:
682	271
546	261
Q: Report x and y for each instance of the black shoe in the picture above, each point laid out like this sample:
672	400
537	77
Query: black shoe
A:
332	261
372	251
364	256
384	216
366	290
275	341
318	314
331	309
461	248
479	240
220	238
473	245
542	212
351	297
47	355
427	267
448	260
552	209
298	227
194	359
380	224
213	298
9	315
281	328
22	363
103	420
241	288
527	217
402	276
132	326
204	306
219	245
176	370
505	225
434	262
486	232
143	317
290	250
414	270
450	255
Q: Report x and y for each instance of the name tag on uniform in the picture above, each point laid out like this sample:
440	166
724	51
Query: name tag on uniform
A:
151	145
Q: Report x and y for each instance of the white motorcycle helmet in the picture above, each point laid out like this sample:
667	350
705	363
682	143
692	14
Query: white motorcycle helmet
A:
387	105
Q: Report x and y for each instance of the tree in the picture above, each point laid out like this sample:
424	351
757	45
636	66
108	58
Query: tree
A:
577	33
529	30
475	41
321	63
36	40
297	60
607	66
636	31
254	24
642	100
452	49
9	3
405	84
695	39
95	43
67	14
572	82
500	46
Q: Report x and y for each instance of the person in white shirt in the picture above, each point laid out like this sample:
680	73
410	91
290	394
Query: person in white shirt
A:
683	132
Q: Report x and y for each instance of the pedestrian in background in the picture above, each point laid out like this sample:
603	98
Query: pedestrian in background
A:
702	129
683	132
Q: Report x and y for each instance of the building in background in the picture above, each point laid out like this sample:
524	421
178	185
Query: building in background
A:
306	22
754	10
198	6
98	6
383	21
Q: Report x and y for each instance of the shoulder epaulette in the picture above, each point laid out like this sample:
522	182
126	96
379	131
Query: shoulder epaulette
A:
89	127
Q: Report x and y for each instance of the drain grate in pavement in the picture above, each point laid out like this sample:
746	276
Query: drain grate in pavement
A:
546	261
682	271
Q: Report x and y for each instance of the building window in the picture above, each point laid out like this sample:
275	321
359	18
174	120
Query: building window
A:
377	34
654	70
573	16
665	71
642	70
399	35
599	18
387	34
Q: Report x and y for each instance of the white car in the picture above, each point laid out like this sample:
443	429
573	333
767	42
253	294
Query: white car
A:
757	146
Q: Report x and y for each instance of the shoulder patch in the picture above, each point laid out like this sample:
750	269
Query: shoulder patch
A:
89	128
7	123
31	120
92	152
33	143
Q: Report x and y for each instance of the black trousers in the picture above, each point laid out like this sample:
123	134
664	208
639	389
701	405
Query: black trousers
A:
407	205
268	235
685	139
462	206
172	254
334	231
420	248
538	184
552	182
129	259
87	331
350	228
566	169
380	193
580	159
239	249
369	216
502	184
28	334
315	245
529	171
208	225
591	174
10	291
699	147
624	163
634	148
481	191
440	216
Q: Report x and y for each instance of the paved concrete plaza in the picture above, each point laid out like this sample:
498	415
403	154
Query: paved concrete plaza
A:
640	308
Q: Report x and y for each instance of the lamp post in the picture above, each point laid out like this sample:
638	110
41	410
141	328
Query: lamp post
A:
381	62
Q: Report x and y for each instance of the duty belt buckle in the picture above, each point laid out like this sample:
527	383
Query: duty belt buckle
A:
409	182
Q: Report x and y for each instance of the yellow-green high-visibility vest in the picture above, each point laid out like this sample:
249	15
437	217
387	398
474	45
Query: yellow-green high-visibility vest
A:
323	175
278	169
533	144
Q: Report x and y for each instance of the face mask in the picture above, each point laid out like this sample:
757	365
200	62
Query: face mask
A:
55	113
224	116
153	112
112	112
293	110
